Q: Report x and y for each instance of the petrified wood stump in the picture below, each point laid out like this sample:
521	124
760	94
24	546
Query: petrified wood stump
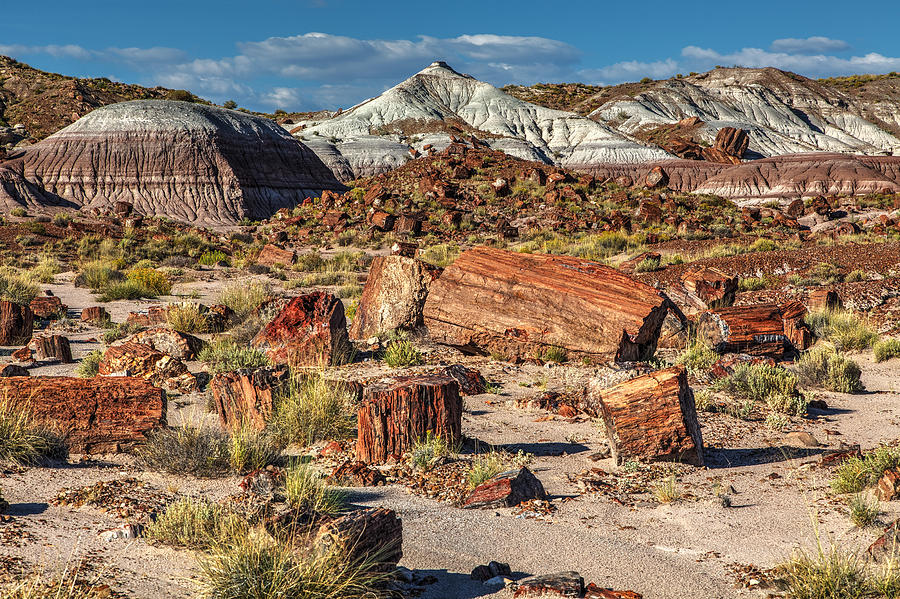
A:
246	396
393	417
651	417
48	306
372	537
16	323
95	314
760	330
53	346
96	415
514	304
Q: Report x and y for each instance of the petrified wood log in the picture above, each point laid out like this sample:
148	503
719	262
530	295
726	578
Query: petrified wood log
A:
96	415
559	584
651	417
95	314
712	287
507	489
392	417
372	537
760	330
53	346
310	330
16	323
824	299
246	395
518	304
271	255
48	306
393	297
181	346
137	360
470	380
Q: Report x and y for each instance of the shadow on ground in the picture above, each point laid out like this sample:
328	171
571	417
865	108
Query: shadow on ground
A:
755	456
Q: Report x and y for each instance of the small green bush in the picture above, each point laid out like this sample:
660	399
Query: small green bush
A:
761	382
250	449
650	264
887	349
224	355
314	408
428	450
187	318
830	370
698	359
845	330
18	212
862	511
214	257
196	524
855	474
401	353
484	467
17	289
197	450
90	364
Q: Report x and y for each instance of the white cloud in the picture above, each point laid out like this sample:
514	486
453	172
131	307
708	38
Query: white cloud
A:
818	65
811	45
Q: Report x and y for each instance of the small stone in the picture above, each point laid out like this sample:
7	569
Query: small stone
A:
125	531
888	485
800	439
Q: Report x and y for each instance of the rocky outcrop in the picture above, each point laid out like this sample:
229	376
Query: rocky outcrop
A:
181	346
185	161
142	361
96	415
311	330
393	297
520	305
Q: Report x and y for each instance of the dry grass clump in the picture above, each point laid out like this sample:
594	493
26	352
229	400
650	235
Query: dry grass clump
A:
68	584
863	512
314	408
224	355
886	349
830	370
835	573
16	288
855	474
197	524
250	449
845	330
484	467
245	297
187	318
22	439
307	492
426	452
667	490
698	358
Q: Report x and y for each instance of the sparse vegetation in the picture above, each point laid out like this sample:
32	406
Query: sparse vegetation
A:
224	355
314	408
863	511
22	439
196	524
855	474
197	450
886	349
90	364
187	318
401	353
307	492
428	450
698	358
830	370
771	384
245	297
845	330
667	490
485	466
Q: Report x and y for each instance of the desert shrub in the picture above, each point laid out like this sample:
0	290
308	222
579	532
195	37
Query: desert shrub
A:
763	245
753	283
22	439
61	219
17	289
400	353
350	290
554	354
845	330
98	275
213	257
198	450
314	408
19	212
777	421
441	255
485	466
855	474
649	264
258	568
761	382
428	450
121	290
44	270
187	318
89	365
152	282
224	355
698	358
307	492
251	449
830	370
887	349
863	512
667	490
196	524
245	297
67	584
120	331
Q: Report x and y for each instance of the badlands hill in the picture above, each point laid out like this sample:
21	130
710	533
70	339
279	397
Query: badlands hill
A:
783	112
43	103
186	161
379	134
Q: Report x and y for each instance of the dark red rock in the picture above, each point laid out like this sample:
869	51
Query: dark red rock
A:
52	347
356	474
16	323
470	380
310	330
657	177
95	315
45	306
559	584
272	255
507	489
888	487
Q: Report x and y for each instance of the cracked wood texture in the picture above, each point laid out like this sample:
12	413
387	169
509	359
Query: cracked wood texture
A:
96	415
247	396
651	417
52	346
760	330
16	323
393	416
517	305
371	536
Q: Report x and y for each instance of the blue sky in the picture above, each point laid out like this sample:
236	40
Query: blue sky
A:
310	54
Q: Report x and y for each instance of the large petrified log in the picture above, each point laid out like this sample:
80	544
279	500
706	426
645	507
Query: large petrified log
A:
393	416
48	306
52	346
712	287
96	415
311	330
271	255
651	417
371	538
518	304
393	297
247	395
16	323
760	330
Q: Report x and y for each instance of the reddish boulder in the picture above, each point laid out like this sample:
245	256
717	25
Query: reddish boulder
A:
356	474
48	306
96	415
821	300
469	380
393	297
95	315
310	330
732	142
759	330
507	489
154	315
272	255
16	323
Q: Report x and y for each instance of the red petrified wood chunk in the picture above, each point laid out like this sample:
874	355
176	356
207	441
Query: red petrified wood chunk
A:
651	417
16	323
760	330
368	535
96	415
52	346
559	584
393	416
506	489
515	304
246	396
